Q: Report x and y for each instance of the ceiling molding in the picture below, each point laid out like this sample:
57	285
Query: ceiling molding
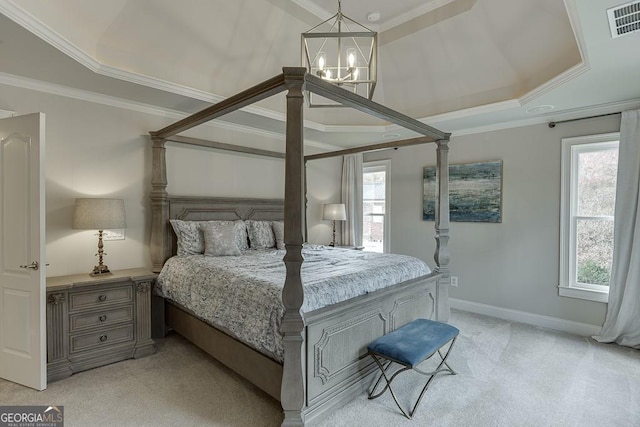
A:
555	82
577	113
572	72
429	6
88	96
418	11
576	26
473	111
46	33
83	95
314	9
595	110
43	31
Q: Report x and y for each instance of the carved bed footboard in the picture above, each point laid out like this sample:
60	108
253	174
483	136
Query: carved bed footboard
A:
337	336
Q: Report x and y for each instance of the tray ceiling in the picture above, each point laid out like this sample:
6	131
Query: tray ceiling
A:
441	61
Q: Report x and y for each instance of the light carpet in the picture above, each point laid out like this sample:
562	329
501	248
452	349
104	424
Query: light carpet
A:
509	374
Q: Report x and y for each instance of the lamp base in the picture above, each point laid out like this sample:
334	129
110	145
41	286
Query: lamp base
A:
99	270
333	235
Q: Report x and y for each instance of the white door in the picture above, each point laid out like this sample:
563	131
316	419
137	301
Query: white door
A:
22	251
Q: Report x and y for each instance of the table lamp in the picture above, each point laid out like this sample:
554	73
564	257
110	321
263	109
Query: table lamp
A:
99	214
334	212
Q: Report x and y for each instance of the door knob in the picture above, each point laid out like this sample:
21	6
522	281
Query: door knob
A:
33	266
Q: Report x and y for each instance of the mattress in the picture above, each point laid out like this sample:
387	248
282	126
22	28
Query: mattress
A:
242	295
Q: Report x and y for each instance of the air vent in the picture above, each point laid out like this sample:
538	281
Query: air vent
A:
624	19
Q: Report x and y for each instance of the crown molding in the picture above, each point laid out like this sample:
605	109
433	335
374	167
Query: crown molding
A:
83	95
427	7
88	96
575	113
46	33
473	111
40	29
571	73
555	82
314	9
576	27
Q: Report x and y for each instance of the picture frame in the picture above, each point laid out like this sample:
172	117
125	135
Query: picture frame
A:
475	192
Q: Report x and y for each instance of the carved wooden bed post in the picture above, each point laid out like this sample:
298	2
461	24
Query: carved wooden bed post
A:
442	255
292	396
303	397
159	205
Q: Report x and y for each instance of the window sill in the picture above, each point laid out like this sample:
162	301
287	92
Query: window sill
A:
582	293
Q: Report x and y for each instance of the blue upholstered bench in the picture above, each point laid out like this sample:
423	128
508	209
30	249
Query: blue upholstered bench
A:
409	346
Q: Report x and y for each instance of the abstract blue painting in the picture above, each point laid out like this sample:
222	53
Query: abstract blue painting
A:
475	192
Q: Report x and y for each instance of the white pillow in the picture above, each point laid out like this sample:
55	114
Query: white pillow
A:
278	231
240	231
220	239
190	240
261	234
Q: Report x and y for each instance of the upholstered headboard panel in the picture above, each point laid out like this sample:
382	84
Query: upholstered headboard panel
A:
217	208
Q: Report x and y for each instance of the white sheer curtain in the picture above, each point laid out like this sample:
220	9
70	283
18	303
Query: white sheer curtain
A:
352	199
622	323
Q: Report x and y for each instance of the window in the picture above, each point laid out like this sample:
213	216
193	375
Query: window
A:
589	170
375	187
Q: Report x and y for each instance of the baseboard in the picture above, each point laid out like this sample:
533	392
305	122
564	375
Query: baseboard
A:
583	329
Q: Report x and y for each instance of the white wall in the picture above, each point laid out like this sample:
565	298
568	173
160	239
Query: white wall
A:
514	264
98	150
94	150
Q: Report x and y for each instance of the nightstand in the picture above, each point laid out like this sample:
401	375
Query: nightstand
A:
94	321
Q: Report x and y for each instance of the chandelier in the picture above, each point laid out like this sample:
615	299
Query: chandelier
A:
344	58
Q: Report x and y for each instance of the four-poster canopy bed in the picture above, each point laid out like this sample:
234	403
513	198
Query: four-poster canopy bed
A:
323	365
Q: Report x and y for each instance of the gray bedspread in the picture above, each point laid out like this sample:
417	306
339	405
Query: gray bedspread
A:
242	295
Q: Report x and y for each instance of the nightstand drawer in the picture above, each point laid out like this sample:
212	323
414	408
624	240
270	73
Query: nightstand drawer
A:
106	317
103	338
97	298
96	320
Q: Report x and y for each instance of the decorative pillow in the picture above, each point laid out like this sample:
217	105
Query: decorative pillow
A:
190	241
278	231
240	231
261	234
220	238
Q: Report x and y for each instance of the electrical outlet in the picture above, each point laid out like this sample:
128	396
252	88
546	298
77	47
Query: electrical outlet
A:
454	281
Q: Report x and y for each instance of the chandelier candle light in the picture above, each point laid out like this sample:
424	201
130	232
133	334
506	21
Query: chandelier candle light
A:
334	212
99	214
344	58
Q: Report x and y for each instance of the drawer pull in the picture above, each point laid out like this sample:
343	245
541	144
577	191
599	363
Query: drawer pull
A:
103	317
102	298
103	338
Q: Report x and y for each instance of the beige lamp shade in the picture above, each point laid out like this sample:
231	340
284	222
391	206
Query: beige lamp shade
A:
335	212
99	214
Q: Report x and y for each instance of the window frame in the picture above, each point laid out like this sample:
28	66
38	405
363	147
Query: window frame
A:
378	166
571	149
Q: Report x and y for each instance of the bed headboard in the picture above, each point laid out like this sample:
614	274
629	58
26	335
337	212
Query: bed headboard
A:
192	208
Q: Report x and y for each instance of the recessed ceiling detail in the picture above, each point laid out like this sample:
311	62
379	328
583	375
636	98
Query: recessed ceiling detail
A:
454	64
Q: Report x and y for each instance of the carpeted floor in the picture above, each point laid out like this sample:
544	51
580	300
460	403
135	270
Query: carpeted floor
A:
509	374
